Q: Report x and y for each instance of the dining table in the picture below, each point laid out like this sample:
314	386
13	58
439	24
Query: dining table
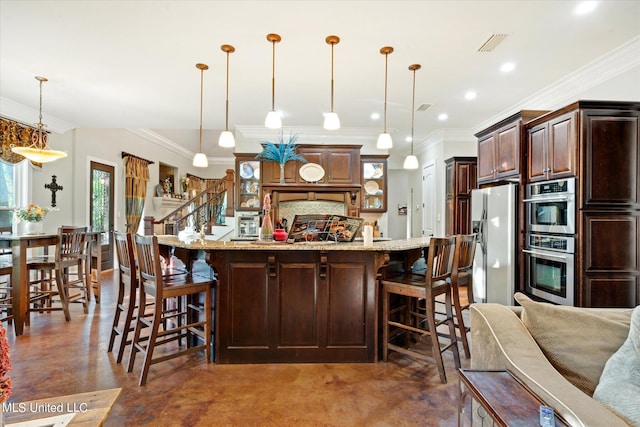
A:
19	244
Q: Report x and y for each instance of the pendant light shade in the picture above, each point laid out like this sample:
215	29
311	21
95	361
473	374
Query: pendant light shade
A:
38	151
273	120
331	120
384	140
226	137
200	159
411	161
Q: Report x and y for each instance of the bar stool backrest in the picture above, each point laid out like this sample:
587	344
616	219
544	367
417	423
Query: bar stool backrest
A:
149	265
71	243
125	254
466	252
440	258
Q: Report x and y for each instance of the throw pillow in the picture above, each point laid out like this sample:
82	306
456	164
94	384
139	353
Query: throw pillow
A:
619	386
576	341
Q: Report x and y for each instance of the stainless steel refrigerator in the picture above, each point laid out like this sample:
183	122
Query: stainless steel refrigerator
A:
494	218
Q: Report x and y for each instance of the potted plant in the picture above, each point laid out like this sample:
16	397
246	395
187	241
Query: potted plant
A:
281	152
33	216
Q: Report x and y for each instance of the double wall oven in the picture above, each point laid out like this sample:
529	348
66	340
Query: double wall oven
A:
550	240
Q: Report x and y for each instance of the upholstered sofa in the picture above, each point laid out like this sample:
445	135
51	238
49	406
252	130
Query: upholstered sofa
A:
560	353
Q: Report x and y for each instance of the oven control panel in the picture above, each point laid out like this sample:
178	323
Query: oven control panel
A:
554	243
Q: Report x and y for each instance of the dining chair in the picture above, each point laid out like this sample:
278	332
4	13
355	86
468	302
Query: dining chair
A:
69	252
189	320
6	299
419	320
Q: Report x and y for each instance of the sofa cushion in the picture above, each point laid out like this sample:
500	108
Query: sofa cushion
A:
619	386
576	341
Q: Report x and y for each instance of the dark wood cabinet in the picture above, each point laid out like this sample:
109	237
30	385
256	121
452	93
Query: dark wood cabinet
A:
501	148
247	183
374	183
460	179
552	148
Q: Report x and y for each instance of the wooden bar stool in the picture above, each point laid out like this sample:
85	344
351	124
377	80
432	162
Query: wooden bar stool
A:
462	276
416	323
180	321
127	292
69	251
6	300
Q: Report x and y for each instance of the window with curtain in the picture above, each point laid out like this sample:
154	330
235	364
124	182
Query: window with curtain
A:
15	183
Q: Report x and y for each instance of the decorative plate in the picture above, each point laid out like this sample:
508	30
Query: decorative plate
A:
377	172
311	172
367	171
246	171
371	187
256	173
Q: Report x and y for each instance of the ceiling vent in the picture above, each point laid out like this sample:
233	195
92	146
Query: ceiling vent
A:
423	107
492	42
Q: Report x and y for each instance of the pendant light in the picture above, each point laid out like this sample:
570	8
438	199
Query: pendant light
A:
273	120
226	137
38	151
331	119
200	159
384	140
411	161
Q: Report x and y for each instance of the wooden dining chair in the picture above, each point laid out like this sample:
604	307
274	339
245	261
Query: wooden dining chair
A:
6	299
418	324
69	252
126	303
189	320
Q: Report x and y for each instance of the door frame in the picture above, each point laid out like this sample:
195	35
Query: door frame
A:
429	203
116	198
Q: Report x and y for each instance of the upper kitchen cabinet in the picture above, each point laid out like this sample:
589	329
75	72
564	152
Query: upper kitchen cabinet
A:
374	183
247	182
460	179
552	147
501	148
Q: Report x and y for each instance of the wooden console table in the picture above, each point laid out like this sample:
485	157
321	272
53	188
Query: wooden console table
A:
90	408
505	399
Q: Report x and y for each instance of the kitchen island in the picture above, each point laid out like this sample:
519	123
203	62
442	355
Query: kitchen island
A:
311	302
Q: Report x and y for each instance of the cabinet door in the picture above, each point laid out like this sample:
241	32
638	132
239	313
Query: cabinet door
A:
507	151
247	184
343	166
537	148
374	184
463	215
312	155
486	158
561	153
465	179
270	173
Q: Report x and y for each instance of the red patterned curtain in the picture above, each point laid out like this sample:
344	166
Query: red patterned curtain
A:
14	134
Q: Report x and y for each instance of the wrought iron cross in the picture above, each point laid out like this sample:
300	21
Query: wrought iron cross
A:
53	186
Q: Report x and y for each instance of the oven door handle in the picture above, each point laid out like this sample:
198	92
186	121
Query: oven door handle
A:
548	199
544	254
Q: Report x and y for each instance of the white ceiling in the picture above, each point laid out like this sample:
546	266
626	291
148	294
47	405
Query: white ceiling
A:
131	64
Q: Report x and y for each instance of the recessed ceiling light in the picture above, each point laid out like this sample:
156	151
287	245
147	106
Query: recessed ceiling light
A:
408	138
375	116
585	7
470	95
443	116
507	67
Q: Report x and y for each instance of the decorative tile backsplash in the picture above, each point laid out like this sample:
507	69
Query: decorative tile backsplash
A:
288	210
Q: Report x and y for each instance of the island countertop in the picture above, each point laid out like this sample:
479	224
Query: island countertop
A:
383	246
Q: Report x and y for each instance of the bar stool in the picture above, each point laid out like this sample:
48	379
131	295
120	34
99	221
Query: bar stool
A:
179	321
127	290
69	253
416	323
462	276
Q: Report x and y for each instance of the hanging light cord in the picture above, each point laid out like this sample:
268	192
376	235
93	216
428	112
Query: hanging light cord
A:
201	97
332	44
413	107
226	122
386	64
273	76
41	141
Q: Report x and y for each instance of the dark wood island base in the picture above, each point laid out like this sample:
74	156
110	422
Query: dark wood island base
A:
296	303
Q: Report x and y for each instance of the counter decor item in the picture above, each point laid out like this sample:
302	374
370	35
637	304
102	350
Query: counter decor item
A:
281	153
266	229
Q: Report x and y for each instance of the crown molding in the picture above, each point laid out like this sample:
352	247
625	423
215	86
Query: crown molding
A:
170	145
313	134
568	89
23	114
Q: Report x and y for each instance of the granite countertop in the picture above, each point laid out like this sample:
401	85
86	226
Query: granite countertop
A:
383	246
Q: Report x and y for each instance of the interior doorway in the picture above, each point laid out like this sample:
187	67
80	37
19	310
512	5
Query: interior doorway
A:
429	199
101	209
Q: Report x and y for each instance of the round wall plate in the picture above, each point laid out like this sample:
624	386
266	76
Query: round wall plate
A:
311	172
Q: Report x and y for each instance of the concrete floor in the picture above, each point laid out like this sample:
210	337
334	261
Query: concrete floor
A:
56	358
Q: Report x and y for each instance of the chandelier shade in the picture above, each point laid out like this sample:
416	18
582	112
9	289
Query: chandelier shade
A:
226	137
38	151
331	120
384	140
200	159
273	119
411	161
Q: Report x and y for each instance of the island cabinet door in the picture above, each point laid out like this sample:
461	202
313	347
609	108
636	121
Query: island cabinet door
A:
295	306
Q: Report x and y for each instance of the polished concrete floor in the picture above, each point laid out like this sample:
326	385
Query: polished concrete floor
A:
54	358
